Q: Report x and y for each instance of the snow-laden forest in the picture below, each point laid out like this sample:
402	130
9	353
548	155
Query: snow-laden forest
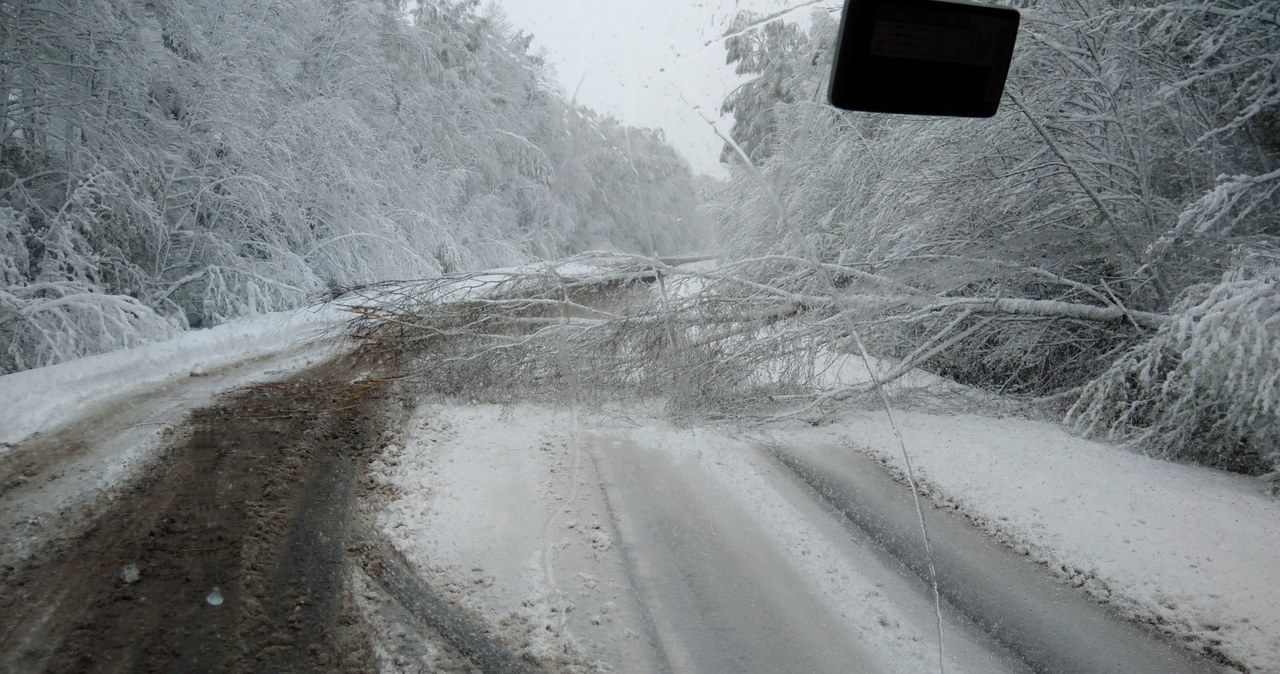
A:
1109	241
1107	246
166	165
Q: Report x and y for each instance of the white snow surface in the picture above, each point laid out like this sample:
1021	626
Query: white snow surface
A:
877	608
44	398
486	502
500	500
1194	551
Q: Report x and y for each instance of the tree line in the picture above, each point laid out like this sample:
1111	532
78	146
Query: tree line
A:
166	165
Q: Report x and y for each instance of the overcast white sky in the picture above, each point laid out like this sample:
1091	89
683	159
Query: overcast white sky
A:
635	59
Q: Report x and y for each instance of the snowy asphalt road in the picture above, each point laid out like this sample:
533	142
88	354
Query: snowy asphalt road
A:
720	596
718	601
727	557
1050	626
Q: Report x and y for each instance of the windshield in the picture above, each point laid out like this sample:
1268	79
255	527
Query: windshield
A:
441	335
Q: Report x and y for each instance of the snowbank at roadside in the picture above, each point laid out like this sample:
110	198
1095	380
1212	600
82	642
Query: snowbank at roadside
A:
1194	551
43	398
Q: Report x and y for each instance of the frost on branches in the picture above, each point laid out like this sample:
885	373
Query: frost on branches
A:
65	309
174	165
1206	388
1076	241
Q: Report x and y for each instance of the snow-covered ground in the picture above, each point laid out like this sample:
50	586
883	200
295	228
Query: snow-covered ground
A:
43	398
486	500
1194	551
509	504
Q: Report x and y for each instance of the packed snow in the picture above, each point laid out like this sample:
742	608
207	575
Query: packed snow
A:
499	503
485	500
500	499
1188	549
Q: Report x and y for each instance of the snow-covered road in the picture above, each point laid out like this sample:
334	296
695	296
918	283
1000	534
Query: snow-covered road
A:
608	539
764	579
650	548
1016	601
719	597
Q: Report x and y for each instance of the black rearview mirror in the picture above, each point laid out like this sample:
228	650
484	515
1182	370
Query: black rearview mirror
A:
922	57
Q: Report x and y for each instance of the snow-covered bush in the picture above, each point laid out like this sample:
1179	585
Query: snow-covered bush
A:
67	301
47	323
1206	387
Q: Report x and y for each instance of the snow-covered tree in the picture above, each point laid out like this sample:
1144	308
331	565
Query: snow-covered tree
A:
1206	387
766	51
1133	161
165	165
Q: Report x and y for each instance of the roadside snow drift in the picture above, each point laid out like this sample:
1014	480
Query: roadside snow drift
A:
1193	551
40	399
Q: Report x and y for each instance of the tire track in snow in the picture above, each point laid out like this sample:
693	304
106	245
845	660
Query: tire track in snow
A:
716	602
466	635
1048	625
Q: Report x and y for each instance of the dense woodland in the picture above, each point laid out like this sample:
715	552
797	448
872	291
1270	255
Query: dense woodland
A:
166	165
1109	240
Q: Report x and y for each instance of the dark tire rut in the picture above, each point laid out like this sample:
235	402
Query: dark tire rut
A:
239	538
